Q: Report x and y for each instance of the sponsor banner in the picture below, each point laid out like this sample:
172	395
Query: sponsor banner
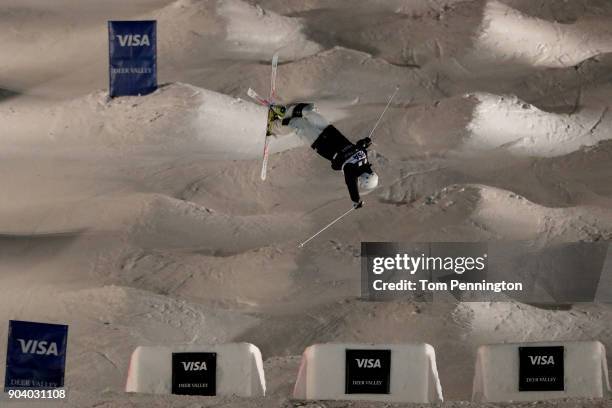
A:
368	371
132	47
194	373
492	271
36	355
541	368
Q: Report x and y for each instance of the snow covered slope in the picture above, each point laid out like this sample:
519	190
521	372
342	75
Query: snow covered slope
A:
176	115
143	220
508	122
509	36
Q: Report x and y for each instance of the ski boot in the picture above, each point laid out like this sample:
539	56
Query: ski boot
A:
276	113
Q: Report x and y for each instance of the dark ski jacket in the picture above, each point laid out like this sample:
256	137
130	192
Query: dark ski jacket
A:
351	158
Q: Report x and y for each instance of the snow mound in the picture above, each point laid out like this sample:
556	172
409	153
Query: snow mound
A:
174	224
167	115
495	212
490	213
227	279
508	122
190	29
398	6
508	36
126	317
501	322
318	75
235	127
129	307
258	32
563	12
186	27
179	115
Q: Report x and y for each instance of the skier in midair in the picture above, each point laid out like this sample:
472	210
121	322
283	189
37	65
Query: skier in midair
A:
325	139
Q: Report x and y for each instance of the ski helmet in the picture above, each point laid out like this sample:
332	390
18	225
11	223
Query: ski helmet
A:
368	181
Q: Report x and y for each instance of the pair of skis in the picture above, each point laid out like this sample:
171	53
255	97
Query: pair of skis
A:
272	115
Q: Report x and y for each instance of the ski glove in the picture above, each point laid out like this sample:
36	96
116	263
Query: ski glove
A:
358	205
364	143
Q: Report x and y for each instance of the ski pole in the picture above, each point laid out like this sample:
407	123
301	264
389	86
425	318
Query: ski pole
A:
326	227
383	112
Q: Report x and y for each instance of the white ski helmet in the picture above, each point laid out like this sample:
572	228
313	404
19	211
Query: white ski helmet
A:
368	181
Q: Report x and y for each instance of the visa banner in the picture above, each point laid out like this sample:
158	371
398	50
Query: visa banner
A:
36	355
132	47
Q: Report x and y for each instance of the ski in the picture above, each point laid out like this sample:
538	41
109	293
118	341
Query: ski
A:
267	102
273	77
266	152
264	162
259	99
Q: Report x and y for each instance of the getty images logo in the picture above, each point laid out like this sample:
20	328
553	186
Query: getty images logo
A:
38	347
368	363
133	40
542	360
194	365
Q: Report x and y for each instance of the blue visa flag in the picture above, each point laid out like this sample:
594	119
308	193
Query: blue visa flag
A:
36	355
132	47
